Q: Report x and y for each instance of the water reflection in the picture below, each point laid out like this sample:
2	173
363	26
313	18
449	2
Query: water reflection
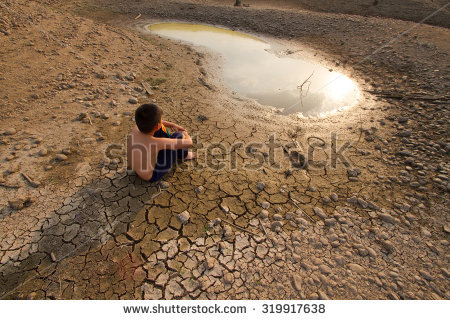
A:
253	71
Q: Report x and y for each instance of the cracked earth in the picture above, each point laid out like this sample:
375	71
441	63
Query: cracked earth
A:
75	224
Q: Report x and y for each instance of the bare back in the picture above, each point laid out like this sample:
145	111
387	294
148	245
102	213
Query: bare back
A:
142	152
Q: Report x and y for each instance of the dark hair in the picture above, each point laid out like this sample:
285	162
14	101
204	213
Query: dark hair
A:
147	117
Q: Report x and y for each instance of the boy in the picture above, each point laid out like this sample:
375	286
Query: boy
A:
151	150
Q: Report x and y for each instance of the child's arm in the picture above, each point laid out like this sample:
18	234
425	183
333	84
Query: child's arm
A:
173	144
173	126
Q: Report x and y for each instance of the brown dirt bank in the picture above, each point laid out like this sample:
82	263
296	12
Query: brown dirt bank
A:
408	10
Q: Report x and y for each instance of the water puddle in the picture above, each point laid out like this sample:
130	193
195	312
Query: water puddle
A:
252	70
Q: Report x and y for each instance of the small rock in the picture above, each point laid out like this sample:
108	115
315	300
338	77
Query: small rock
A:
10	132
66	151
446	228
43	152
20	202
388	246
334	197
265	205
199	190
164	185
81	116
224	208
227	232
323	295
260	186
289	216
355	267
362	203
387	218
61	157
277	217
297	282
264	214
184	217
133	100
325	269
228	278
276	226
319	212
426	275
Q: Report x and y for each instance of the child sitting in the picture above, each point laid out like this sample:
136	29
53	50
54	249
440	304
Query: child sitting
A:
151	150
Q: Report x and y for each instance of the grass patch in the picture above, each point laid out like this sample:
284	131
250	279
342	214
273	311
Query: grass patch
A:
156	81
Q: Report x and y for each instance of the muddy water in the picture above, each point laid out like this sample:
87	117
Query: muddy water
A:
254	71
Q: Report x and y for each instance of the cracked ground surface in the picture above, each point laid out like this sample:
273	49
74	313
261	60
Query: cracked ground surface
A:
82	227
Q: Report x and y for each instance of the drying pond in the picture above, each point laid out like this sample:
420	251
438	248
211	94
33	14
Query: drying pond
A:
252	70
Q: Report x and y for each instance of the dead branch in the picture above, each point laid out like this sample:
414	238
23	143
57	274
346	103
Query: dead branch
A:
240	228
300	87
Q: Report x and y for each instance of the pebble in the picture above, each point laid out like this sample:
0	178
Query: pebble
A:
319	212
260	186
276	226
362	203
446	228
355	267
199	190
184	216
323	295
81	116
19	202
289	216
227	232
43	152
10	132
387	218
277	217
265	205
325	269
264	214
326	200
60	157
388	245
340	260
426	275
224	208
133	100
297	282
334	197
425	232
164	185
228	278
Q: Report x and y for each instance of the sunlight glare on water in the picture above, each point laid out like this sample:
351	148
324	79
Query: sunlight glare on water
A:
251	70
